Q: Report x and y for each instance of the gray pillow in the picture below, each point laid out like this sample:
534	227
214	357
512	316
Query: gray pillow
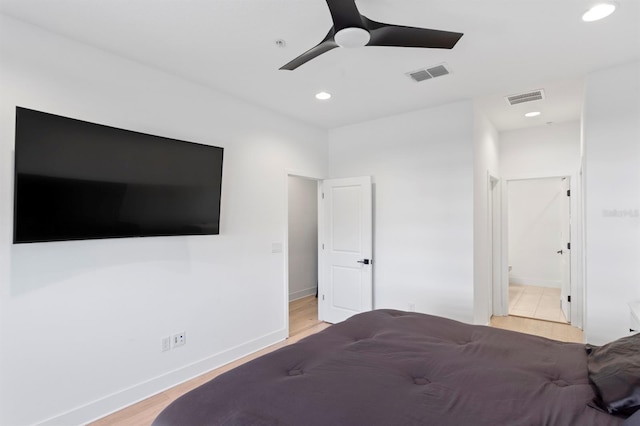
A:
614	369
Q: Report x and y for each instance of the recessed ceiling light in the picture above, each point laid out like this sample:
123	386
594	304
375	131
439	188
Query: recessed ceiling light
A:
323	96
599	11
532	114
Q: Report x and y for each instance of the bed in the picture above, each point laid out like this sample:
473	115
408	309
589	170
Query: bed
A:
388	367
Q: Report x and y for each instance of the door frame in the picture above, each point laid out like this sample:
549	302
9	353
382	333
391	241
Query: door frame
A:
494	246
565	305
577	219
318	180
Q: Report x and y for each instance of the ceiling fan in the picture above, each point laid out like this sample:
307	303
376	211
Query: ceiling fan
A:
351	29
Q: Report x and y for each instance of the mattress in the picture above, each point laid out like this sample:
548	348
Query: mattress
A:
388	367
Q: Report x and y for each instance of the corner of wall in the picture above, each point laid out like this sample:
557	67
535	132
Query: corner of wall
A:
485	164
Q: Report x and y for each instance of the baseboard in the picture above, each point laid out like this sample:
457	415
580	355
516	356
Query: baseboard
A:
302	293
515	279
132	395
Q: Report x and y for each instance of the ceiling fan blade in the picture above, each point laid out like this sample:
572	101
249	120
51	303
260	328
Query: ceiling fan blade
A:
398	35
324	46
344	14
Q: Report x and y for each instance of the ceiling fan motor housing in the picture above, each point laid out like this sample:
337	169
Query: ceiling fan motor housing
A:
352	37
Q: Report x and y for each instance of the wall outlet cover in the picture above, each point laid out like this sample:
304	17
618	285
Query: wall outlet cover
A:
179	339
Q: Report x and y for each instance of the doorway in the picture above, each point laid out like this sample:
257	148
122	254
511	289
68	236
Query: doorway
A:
329	244
539	260
302	253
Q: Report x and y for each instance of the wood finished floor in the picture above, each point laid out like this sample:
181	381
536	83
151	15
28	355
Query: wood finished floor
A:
548	329
303	314
303	322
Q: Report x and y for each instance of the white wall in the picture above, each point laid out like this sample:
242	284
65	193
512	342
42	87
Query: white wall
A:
552	150
422	168
303	237
535	231
612	197
485	164
82	321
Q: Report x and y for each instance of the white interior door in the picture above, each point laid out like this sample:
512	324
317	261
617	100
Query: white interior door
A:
346	286
565	251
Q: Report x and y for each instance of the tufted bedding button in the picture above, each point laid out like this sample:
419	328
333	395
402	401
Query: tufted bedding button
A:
560	383
295	372
421	381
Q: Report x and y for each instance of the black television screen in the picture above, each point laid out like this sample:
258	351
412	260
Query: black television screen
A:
76	180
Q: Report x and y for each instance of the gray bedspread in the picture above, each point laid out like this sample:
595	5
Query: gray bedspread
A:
390	368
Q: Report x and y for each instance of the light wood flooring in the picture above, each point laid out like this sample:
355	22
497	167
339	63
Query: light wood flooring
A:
535	302
548	329
303	314
303	318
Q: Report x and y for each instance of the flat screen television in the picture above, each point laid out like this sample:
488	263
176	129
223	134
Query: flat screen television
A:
76	180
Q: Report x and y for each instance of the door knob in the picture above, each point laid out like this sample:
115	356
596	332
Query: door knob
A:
559	252
364	261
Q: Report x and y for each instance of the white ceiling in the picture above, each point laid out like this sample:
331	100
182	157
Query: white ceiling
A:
509	46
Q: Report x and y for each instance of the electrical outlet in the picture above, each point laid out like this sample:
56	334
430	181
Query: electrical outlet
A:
412	307
179	339
166	343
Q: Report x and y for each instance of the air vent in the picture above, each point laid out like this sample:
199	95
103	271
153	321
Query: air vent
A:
428	73
533	95
421	75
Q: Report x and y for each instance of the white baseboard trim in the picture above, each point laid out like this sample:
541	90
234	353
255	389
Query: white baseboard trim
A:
134	394
302	293
518	280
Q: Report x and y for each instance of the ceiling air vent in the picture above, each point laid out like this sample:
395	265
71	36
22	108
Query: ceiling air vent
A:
533	95
428	73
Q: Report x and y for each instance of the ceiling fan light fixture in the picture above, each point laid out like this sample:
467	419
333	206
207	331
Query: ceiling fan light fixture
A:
599	11
352	37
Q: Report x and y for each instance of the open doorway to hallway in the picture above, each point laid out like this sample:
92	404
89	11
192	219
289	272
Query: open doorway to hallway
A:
302	252
539	244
